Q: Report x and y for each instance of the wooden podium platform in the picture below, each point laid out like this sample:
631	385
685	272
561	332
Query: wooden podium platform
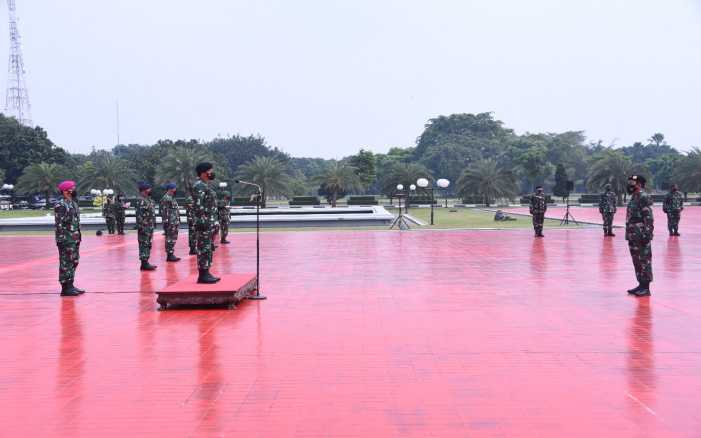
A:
230	290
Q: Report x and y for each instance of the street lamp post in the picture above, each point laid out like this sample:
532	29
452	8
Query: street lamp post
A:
443	184
424	184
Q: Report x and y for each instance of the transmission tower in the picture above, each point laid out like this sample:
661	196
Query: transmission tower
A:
17	98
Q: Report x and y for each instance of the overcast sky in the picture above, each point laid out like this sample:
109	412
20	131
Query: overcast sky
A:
324	78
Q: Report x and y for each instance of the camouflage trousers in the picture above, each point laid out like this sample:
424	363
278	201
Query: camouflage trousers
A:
224	227
538	219
120	223
171	237
608	222
191	235
641	253
111	224
145	237
68	258
204	247
673	222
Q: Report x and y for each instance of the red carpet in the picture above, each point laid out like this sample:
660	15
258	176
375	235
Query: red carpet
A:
373	334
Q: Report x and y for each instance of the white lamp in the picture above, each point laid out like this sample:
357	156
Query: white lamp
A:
400	186
412	187
422	182
443	183
223	184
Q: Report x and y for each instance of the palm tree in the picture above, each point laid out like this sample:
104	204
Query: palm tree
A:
179	166
106	171
488	180
40	178
339	178
688	172
269	173
612	167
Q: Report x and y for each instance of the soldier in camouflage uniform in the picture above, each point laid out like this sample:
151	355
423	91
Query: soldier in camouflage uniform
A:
673	206
607	208
108	212
68	237
537	208
120	213
170	212
145	224
204	211
191	237
639	232
224	216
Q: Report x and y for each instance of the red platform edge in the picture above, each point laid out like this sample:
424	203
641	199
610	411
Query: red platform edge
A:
231	289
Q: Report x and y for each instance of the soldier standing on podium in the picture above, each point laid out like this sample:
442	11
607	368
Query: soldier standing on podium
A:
204	208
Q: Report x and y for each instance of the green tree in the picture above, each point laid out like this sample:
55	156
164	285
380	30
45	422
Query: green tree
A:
402	173
688	172
268	172
612	167
488	180
657	138
533	164
103	170
560	188
2	176
364	164
179	165
41	178
21	146
339	178
237	150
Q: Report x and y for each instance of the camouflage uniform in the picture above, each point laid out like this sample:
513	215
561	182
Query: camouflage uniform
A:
145	224
537	208
191	237
673	206
639	232
224	216
204	207
607	208
170	213
119	213
108	212
68	237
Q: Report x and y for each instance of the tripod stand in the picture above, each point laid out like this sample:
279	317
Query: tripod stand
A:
568	216
400	222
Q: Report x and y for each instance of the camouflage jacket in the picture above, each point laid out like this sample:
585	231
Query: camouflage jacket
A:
538	204
169	209
640	223
223	209
204	205
67	215
188	210
145	213
119	206
108	209
673	202
607	203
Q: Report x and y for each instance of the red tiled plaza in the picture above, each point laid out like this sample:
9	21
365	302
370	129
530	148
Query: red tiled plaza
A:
365	333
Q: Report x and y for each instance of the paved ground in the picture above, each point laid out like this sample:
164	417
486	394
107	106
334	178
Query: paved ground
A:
436	333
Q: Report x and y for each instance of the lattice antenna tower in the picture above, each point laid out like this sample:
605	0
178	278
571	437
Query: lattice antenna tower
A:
17	98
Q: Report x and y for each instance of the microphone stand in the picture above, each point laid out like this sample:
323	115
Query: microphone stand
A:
259	196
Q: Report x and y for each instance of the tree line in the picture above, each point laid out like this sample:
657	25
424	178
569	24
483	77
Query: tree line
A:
482	158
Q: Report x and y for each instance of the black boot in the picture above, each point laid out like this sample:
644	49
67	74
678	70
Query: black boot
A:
225	242
206	278
172	258
146	266
77	289
634	290
68	291
644	290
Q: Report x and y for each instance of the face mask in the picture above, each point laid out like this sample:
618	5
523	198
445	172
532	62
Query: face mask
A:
630	189
211	176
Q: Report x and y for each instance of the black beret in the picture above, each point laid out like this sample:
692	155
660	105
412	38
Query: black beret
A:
143	185
202	168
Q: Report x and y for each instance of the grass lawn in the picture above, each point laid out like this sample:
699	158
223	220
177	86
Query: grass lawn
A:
473	218
9	214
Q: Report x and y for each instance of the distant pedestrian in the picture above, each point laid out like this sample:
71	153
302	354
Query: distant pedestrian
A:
120	213
607	208
673	206
537	208
170	213
224	216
